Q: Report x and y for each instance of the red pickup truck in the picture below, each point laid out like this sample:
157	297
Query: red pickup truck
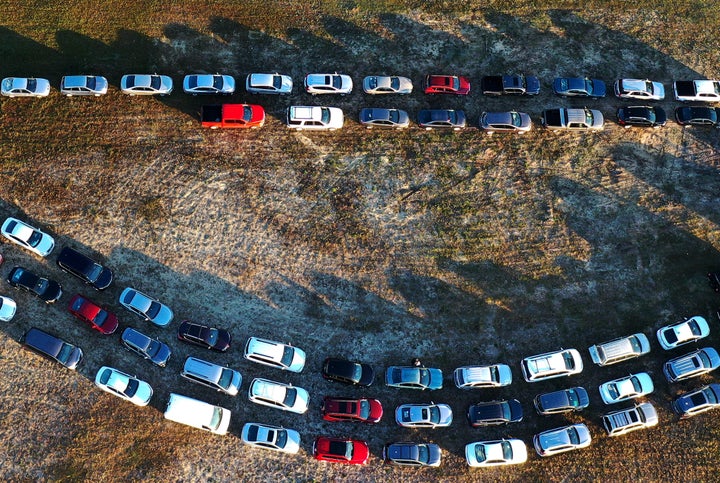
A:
242	116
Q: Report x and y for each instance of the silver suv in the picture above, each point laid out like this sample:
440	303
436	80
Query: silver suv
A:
621	349
470	377
211	375
630	419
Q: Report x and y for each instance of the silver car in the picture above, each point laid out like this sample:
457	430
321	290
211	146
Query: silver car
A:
328	84
628	387
561	363
268	84
378	117
387	84
423	415
7	308
278	395
472	377
123	386
146	307
28	237
25	87
216	377
644	89
274	438
275	354
560	440
146	84
83	85
505	121
208	84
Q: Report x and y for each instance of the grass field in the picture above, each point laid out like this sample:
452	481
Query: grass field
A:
378	246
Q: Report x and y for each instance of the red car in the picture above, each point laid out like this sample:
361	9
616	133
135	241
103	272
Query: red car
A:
238	116
91	313
348	409
446	84
339	450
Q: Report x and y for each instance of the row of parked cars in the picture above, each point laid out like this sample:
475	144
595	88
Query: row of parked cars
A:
287	397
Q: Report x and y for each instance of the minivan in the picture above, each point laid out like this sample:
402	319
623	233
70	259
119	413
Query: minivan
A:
198	414
84	268
212	375
52	347
621	349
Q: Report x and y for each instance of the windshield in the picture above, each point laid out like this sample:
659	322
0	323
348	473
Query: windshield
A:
132	387
64	353
100	318
287	356
34	239
153	310
216	418
226	377
95	272
290	397
364	409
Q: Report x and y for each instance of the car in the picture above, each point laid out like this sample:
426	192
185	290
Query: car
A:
28	237
152	349
643	89
423	415
341	450
315	118
278	395
620	349
85	268
513	84
683	332
275	354
690	365
564	362
83	85
624	421
198	414
441	119
232	116
146	307
496	453
476	377
697	401
505	121
560	440
698	116
371	117
493	413
146	84
270	437
204	336
562	401
219	378
387	84
208	84
642	116
348	372
628	387
579	87
123	386
54	348
49	291
328	84
411	377
92	314
351	409
8	307
562	119
446	84
25	87
412	454
258	83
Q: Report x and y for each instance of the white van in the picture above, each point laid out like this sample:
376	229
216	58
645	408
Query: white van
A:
198	414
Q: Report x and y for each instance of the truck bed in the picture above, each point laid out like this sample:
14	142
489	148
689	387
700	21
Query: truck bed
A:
492	84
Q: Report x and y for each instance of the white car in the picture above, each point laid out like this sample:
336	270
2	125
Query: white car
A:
328	84
690	330
146	307
271	437
278	395
564	362
123	386
258	83
314	117
274	354
387	84
7	308
25	87
423	415
628	387
146	84
496	453
83	85
643	89
208	84
27	236
560	440
473	377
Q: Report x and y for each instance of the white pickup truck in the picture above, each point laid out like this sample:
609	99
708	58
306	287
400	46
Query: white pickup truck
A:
697	91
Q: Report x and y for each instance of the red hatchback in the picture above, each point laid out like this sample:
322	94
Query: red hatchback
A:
339	450
91	313
446	84
348	409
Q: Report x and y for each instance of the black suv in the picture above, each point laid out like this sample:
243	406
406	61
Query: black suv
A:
52	347
495	412
84	268
348	372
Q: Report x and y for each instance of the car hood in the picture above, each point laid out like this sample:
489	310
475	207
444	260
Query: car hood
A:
532	85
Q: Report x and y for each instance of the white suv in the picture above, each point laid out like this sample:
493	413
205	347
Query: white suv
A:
212	375
471	377
564	362
278	395
314	117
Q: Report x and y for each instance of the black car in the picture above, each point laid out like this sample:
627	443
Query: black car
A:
208	337
495	412
378	117
643	116
349	372
149	348
441	119
84	268
48	290
412	454
563	401
698	116
52	347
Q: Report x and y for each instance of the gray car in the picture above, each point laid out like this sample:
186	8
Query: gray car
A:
83	85
560	440
411	377
412	454
208	84
692	364
441	119
152	349
505	121
378	117
146	84
258	83
562	401
216	377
